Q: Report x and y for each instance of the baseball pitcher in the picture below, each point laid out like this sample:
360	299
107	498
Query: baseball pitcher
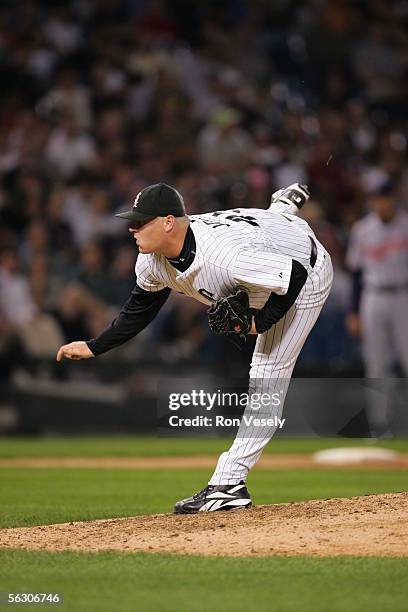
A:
260	271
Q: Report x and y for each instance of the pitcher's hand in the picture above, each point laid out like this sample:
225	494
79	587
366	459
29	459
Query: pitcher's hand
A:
75	350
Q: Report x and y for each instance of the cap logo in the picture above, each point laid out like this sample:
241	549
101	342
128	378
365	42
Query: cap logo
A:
136	202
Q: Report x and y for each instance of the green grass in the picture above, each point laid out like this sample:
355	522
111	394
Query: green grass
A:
49	495
112	581
129	446
165	583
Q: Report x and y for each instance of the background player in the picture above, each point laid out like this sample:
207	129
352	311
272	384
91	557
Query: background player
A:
378	258
272	254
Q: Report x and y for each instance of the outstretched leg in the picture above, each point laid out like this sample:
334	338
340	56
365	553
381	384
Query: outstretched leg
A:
274	358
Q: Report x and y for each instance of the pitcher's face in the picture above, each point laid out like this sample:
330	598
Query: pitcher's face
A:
151	236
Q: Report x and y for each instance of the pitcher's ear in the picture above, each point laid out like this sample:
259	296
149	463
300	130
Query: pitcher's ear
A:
169	222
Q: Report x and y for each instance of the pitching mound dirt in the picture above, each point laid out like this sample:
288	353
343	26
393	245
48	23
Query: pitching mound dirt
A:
373	525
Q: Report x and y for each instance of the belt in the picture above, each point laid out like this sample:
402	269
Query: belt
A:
313	254
389	288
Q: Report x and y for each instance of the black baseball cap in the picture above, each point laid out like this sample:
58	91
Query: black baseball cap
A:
155	201
385	189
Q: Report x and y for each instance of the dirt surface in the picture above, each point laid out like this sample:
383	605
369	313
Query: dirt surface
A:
373	525
267	462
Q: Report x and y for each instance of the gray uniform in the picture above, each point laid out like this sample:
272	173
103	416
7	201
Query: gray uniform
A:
380	251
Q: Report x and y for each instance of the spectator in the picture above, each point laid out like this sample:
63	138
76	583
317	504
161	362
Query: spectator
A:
16	300
69	149
69	96
93	274
224	147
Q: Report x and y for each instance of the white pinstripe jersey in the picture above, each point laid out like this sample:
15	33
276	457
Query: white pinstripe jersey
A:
253	248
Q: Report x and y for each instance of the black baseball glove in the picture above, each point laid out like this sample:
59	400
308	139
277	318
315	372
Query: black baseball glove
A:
231	316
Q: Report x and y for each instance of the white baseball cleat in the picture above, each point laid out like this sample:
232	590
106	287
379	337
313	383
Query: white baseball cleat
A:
215	497
294	194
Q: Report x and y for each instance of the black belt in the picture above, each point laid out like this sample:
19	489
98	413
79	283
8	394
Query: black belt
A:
389	288
313	254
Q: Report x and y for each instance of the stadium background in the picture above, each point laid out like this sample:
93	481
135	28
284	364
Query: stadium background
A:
227	101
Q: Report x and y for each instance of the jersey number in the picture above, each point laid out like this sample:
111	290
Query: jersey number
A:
235	217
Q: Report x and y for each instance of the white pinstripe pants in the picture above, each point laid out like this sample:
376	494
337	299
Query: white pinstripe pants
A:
274	358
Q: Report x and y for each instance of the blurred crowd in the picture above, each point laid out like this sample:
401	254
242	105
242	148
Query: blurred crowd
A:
227	101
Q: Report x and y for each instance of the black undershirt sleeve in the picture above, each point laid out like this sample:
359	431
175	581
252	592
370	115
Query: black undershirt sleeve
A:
357	287
278	305
137	312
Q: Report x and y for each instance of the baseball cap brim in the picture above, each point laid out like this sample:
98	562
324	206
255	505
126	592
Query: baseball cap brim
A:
133	215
